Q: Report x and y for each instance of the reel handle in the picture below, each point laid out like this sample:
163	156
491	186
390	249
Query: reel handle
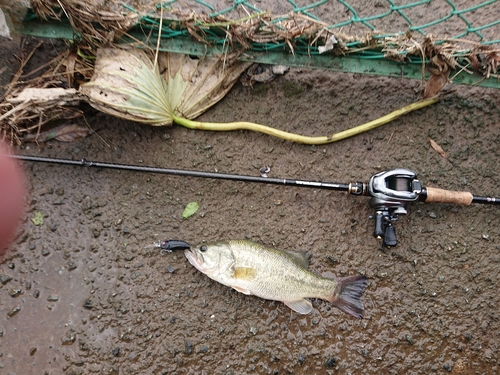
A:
435	195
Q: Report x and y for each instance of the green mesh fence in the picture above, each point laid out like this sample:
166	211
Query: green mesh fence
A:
384	37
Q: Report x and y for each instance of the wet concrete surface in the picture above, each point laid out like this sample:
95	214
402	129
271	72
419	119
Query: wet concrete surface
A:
83	293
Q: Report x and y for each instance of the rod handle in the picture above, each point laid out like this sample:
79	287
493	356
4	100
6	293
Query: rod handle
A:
434	195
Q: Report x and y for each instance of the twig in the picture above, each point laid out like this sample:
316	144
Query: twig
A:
20	70
102	139
15	109
159	37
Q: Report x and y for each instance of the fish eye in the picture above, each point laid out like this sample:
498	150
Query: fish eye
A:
203	248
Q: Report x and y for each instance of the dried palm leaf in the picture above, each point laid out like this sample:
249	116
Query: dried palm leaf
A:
128	84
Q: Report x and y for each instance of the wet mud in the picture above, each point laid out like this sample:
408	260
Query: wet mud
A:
83	293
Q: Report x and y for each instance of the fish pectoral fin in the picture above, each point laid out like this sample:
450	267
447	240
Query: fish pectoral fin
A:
242	290
302	306
303	258
244	273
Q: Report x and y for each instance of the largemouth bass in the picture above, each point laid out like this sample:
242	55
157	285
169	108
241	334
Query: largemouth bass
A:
273	274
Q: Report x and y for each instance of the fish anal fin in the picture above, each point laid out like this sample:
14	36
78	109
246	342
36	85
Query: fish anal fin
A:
244	273
242	290
301	306
303	258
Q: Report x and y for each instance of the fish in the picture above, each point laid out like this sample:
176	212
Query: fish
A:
265	272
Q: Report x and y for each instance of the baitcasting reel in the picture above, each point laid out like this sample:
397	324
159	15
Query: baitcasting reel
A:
391	191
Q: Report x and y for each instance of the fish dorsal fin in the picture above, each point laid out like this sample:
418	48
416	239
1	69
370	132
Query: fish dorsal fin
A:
303	258
302	306
244	273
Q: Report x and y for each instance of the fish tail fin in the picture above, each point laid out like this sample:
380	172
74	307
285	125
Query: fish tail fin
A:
347	295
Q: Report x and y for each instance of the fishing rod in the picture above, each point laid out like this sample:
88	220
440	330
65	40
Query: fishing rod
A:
390	191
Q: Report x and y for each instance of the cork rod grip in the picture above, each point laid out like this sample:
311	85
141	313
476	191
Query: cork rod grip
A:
435	195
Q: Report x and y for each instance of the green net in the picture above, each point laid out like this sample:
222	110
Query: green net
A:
385	37
441	18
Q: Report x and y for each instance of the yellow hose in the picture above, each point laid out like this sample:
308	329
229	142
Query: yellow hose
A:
191	124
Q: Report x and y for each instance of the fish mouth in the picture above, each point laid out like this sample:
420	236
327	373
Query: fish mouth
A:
194	259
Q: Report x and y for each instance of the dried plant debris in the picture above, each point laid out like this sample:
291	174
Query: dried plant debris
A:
438	149
102	24
29	110
486	60
62	133
262	73
44	95
435	84
96	21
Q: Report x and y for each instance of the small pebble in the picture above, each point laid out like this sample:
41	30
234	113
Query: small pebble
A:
447	367
4	279
14	292
71	266
69	338
14	311
57	202
330	362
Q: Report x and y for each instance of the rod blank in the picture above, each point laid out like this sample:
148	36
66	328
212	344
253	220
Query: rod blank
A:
188	173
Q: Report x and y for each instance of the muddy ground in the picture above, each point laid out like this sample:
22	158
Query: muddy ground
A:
83	294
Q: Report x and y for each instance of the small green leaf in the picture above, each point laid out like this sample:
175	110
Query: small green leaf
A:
37	219
190	209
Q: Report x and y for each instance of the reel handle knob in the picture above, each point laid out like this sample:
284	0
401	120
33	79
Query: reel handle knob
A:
379	231
390	238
